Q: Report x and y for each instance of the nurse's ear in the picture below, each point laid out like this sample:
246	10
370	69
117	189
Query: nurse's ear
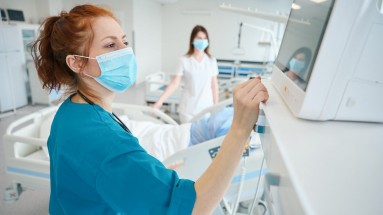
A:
74	63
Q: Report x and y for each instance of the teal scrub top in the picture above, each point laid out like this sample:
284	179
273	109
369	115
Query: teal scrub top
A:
99	168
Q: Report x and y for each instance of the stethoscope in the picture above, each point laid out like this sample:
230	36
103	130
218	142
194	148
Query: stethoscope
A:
118	120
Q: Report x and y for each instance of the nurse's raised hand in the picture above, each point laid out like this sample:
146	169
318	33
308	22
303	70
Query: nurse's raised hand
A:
211	186
246	99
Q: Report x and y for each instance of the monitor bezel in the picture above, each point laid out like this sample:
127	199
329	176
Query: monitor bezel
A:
293	95
313	60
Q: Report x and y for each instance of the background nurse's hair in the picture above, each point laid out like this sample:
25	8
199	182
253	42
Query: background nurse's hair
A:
193	34
66	34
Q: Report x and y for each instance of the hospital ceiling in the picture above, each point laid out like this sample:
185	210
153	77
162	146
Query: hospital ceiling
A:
260	5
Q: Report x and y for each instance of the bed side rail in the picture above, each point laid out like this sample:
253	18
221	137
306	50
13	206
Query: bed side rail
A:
213	109
128	109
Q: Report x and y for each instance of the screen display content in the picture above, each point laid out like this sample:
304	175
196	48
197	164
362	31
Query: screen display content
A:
302	39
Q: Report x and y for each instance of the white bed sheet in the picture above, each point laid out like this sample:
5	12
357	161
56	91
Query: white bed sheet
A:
159	140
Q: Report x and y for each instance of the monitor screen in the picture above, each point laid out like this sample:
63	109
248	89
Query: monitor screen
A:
15	15
3	15
302	39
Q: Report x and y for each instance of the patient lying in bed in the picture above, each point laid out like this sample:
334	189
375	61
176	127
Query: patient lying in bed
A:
161	141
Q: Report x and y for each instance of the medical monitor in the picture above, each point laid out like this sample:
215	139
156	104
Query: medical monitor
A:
3	15
15	15
329	66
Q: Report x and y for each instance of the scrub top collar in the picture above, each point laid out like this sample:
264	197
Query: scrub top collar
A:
115	117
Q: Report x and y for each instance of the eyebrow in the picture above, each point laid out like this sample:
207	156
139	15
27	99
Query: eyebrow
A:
113	37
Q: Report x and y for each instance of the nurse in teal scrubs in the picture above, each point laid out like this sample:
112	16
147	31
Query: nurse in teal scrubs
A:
97	165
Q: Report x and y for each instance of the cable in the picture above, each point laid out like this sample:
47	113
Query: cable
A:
243	176
263	205
239	34
259	127
242	181
238	50
259	181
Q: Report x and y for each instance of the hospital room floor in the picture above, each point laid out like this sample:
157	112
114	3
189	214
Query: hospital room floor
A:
35	202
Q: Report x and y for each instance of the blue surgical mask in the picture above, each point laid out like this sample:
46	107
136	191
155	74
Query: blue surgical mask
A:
296	66
200	44
118	69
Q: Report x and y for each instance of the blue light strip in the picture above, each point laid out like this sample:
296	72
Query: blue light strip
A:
249	175
28	172
224	73
225	68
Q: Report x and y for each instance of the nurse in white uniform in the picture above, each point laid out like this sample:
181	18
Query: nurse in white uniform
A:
199	71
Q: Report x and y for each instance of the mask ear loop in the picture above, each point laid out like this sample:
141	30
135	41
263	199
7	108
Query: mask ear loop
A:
93	58
74	55
89	76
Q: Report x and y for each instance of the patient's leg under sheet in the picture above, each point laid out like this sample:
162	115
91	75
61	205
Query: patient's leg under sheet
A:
163	140
208	128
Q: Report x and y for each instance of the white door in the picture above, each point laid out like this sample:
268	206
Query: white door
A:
2	45
12	38
6	95
13	76
18	77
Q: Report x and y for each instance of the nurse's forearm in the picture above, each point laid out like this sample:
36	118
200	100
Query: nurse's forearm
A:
211	186
170	89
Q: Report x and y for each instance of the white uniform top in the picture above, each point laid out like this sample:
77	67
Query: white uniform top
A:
197	94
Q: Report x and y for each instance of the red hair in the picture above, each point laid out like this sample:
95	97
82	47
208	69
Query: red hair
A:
62	35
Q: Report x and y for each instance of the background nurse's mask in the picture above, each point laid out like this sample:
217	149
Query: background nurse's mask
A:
200	44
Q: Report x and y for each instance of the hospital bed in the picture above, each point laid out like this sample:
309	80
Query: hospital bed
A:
213	109
26	154
155	85
228	69
192	162
25	143
27	162
230	73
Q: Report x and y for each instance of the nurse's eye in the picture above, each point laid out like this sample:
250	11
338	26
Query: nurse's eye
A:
126	43
110	45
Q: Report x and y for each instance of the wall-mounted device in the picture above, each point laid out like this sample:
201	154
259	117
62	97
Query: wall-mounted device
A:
3	15
15	15
331	68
